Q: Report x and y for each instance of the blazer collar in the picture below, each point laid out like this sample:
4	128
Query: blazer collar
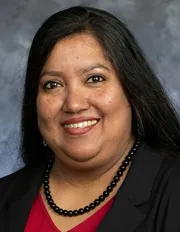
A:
141	176
125	215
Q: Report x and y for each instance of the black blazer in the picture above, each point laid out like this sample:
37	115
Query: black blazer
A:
148	200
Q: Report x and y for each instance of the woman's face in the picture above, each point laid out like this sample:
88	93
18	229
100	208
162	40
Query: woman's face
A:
83	113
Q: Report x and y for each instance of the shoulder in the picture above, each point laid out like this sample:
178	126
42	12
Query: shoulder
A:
170	198
172	172
174	180
17	174
15	185
12	176
7	182
169	175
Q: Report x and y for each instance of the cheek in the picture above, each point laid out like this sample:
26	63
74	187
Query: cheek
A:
46	108
112	99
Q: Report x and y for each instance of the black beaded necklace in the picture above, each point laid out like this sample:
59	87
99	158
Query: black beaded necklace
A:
97	201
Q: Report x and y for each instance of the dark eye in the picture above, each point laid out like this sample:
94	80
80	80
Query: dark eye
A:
95	78
51	85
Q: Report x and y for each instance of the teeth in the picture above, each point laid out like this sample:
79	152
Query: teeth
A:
81	124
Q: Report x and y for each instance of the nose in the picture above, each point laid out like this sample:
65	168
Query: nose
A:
76	100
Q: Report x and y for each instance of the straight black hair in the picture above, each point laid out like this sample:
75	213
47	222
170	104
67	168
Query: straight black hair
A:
152	110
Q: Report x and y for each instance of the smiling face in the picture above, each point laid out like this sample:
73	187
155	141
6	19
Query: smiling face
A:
83	113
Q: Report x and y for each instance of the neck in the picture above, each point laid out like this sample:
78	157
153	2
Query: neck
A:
100	175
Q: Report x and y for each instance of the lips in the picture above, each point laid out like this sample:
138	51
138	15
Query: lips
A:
78	120
77	130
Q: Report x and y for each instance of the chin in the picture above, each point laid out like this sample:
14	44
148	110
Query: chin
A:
81	157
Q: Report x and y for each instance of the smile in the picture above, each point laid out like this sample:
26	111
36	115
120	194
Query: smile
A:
81	124
80	128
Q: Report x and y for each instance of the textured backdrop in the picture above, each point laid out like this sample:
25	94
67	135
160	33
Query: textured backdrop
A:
155	23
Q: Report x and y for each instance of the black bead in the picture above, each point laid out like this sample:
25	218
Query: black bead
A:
96	202
46	191
116	178
70	213
101	198
119	173
60	211
52	205
46	177
81	211
125	163
65	212
46	182
86	209
49	166
50	161
48	197
46	187
92	206
122	168
105	193
109	188
75	212
50	201
113	183
47	171
129	158
56	209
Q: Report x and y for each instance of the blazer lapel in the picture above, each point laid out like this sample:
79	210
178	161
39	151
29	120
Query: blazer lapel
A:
20	204
19	211
123	216
126	214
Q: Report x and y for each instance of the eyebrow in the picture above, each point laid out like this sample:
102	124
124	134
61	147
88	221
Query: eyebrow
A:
82	70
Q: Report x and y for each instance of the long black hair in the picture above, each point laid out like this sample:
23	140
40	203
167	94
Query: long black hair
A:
152	110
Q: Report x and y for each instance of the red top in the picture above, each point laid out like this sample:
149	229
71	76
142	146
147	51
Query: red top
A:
40	221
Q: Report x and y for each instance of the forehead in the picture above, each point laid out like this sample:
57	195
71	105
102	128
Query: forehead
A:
77	41
76	47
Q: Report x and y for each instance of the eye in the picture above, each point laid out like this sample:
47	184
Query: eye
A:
95	79
51	85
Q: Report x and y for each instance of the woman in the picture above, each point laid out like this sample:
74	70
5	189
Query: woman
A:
100	138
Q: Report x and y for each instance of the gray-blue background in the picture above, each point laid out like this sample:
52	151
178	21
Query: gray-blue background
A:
155	23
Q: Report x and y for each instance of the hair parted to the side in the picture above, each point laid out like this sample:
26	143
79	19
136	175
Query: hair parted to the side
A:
151	107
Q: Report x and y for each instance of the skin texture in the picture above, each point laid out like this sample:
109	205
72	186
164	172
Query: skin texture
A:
75	95
85	163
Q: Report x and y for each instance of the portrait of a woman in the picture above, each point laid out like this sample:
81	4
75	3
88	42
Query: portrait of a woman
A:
100	137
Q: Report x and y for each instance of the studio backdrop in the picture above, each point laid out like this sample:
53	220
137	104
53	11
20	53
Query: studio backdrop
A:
155	24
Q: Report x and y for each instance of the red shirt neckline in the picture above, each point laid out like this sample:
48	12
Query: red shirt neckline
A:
40	221
99	214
